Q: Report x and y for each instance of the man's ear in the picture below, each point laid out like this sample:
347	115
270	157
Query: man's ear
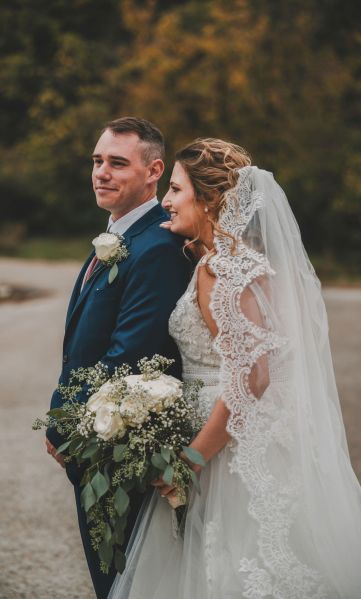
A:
156	170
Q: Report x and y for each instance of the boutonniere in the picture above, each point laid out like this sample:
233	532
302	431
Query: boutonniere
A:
110	249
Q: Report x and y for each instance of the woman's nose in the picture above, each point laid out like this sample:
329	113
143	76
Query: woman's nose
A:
166	203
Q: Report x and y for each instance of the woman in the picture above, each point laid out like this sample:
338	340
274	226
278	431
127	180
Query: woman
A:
279	513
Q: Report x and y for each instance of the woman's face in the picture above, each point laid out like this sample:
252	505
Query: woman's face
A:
187	215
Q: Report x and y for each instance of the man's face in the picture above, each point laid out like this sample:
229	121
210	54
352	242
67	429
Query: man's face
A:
121	180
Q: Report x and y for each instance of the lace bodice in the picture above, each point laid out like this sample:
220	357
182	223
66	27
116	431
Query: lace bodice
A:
195	342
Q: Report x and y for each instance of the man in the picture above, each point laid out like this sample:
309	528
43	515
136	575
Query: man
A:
127	319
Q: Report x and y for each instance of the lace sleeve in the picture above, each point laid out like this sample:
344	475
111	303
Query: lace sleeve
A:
244	340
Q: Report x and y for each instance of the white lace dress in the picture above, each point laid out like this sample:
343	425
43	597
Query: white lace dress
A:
210	561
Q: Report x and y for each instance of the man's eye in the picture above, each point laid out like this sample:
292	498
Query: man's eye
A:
97	161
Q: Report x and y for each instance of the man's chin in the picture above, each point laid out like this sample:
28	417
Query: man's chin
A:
105	203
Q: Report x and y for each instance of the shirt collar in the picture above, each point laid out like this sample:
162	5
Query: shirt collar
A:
123	223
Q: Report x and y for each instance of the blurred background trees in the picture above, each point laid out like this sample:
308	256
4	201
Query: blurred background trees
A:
280	78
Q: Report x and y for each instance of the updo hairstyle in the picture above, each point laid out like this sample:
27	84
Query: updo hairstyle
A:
212	167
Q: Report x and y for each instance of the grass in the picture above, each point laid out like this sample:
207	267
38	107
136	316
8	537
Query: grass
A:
328	269
51	249
338	274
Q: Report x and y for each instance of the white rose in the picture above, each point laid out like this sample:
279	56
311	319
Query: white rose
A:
160	390
101	397
108	423
106	246
133	412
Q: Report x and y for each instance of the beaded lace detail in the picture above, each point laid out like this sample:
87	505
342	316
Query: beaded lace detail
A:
199	360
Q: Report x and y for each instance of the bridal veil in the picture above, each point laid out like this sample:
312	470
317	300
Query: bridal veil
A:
289	446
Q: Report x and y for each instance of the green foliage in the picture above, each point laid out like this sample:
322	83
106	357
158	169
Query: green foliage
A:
280	79
121	501
88	497
112	273
119	452
194	456
99	484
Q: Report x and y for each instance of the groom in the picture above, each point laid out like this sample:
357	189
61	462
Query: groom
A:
126	319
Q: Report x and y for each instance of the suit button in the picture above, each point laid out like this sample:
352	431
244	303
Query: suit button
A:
65	358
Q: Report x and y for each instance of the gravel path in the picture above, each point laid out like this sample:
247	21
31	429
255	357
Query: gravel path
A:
41	555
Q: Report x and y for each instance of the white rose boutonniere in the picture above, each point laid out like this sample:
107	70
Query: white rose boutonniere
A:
110	249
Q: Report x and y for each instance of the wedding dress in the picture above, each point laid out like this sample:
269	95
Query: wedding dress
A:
279	513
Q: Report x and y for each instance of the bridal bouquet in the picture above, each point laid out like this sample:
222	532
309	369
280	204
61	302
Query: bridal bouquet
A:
132	430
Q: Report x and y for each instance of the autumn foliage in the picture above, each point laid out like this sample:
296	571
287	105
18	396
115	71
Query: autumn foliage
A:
279	78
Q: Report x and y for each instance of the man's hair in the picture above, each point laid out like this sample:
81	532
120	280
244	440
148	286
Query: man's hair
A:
148	133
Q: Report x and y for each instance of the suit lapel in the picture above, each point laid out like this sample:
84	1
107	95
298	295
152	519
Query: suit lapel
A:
89	284
76	289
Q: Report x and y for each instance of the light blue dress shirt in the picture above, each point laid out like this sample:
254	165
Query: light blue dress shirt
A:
123	223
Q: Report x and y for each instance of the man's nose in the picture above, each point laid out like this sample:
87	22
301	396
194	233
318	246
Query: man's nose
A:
103	172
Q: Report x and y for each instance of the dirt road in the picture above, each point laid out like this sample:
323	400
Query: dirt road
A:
40	549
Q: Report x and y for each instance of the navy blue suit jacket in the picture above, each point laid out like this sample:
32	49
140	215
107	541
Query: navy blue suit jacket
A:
128	319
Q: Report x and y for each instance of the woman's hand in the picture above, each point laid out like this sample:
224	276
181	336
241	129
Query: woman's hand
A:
175	497
163	489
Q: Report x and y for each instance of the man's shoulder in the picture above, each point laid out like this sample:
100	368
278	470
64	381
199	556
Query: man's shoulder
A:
155	236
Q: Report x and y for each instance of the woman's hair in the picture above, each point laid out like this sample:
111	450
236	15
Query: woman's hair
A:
212	166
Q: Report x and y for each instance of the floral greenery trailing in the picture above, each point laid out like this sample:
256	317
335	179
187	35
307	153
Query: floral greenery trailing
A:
132	430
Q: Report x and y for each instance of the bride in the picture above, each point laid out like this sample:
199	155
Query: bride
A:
279	513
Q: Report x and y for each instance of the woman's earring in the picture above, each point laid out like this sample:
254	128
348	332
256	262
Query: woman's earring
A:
206	209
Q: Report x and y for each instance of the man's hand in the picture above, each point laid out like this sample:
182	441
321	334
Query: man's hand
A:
52	451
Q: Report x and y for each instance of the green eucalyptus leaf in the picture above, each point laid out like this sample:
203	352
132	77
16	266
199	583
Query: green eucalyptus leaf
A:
128	485
95	457
119	561
112	273
119	537
63	446
99	484
75	444
58	413
106	473
194	456
118	452
196	482
168	475
107	535
158	461
165	452
89	451
105	552
121	501
120	524
88	497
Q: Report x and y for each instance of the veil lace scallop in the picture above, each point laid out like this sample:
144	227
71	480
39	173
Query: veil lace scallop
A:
272	327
